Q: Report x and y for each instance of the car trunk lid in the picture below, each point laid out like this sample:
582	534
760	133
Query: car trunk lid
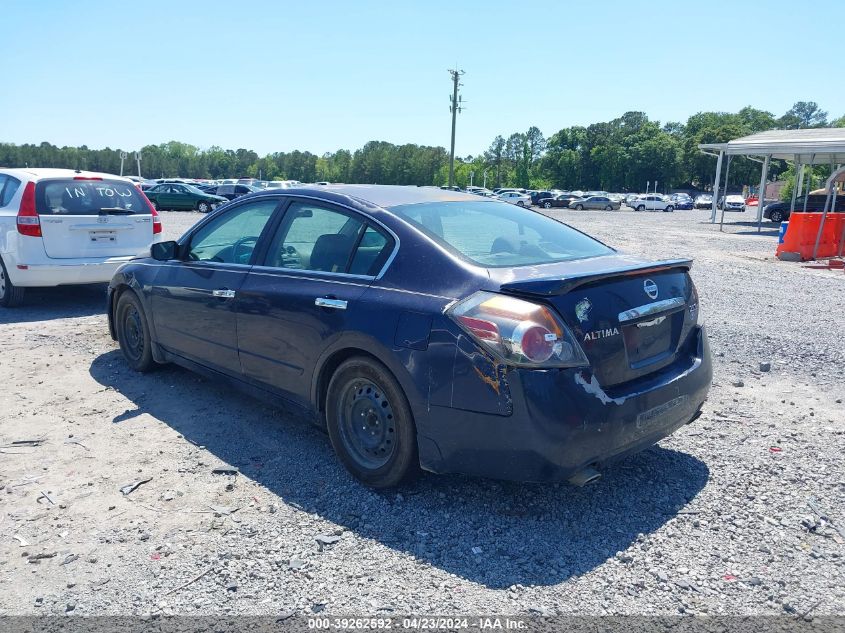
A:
92	217
630	317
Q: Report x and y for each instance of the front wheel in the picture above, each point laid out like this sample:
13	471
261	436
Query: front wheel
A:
641	207
547	205
520	203
669	209
133	333
776	216
370	424
203	207
11	295
579	207
608	208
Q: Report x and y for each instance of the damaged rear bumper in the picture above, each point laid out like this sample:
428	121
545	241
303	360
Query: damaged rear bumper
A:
563	421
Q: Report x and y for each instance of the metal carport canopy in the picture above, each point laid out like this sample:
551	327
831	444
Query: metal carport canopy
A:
814	146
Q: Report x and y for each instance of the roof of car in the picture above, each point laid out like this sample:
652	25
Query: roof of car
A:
37	173
385	196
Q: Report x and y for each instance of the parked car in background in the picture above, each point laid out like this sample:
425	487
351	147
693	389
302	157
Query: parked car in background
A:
631	198
230	192
180	196
732	203
561	200
617	197
594	202
653	202
536	196
703	201
515	197
529	351
779	211
681	201
62	227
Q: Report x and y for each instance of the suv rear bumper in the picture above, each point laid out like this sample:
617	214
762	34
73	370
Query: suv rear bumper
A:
63	272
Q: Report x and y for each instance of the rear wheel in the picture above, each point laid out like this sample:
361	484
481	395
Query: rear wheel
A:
203	207
669	209
641	207
520	203
579	207
547	205
11	295
133	332
776	216
370	423
609	208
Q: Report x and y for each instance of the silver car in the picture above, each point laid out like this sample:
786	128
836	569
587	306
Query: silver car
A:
594	202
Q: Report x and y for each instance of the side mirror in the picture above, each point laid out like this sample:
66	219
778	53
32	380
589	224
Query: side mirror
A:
164	251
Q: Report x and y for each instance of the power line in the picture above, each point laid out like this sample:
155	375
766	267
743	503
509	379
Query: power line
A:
455	106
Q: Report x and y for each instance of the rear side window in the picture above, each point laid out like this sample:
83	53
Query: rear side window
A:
8	188
67	196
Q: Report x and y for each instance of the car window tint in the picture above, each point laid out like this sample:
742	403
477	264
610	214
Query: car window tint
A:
372	252
314	238
231	237
8	189
496	234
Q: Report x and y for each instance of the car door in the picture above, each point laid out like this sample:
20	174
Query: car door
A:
194	299
306	292
182	198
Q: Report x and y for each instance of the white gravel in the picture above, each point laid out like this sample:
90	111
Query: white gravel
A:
713	520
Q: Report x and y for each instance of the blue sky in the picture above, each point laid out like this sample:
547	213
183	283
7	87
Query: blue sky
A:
324	75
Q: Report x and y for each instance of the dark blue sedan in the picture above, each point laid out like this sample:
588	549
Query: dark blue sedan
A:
426	329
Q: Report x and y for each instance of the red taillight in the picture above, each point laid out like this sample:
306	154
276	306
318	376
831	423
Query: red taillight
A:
153	212
485	330
28	221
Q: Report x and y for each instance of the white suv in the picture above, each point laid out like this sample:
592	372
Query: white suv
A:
652	202
59	226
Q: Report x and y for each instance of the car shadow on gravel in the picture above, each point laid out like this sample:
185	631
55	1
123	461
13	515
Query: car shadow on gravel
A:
62	302
493	533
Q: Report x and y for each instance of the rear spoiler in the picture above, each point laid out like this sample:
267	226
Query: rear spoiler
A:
549	286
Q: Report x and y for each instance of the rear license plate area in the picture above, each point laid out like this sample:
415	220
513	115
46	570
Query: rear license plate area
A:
648	341
108	237
647	419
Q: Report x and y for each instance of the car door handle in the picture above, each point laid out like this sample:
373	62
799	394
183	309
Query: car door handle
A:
336	304
223	293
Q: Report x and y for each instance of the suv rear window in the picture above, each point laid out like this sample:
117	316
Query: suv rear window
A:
67	196
497	234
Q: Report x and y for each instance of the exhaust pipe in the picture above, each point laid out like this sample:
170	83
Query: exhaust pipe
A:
584	477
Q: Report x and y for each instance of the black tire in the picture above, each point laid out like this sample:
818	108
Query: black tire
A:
203	206
155	205
669	209
609	208
133	332
776	216
641	207
11	296
579	207
383	453
520	203
547	205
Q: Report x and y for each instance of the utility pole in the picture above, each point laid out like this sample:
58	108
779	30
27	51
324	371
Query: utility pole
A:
455	106
138	160
122	158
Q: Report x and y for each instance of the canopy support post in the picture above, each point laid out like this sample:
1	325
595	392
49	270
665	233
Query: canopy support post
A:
761	195
716	184
725	200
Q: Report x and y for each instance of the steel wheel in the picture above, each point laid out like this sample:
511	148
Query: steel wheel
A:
367	424
370	423
133	335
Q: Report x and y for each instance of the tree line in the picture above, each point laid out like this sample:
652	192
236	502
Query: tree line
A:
619	155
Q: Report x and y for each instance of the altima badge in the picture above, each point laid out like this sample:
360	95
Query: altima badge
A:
650	288
582	309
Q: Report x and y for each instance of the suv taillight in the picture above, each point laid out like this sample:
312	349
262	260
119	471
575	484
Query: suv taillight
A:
153	212
28	221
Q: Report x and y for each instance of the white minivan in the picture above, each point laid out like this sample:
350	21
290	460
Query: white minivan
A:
60	226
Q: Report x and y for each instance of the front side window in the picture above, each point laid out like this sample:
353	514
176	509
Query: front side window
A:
497	234
232	237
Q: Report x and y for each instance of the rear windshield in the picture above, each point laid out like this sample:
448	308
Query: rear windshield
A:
88	197
499	234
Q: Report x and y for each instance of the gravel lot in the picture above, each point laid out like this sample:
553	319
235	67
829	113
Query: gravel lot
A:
713	520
